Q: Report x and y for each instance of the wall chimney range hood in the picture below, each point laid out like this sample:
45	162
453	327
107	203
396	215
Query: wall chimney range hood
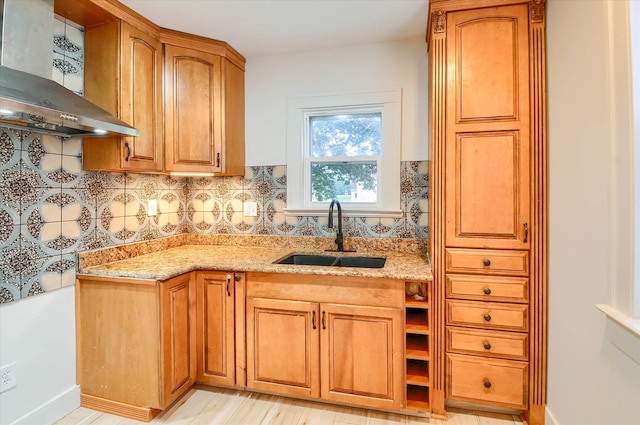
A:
36	103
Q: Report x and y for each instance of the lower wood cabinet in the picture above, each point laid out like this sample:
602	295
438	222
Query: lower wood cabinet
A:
136	343
143	343
361	355
220	328
283	347
303	339
336	352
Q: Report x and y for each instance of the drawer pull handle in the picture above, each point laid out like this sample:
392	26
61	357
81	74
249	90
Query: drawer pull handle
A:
487	384
526	232
487	346
228	282
487	291
313	319
487	262
487	317
324	326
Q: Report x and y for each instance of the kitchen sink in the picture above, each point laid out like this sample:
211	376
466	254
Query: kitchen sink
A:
331	260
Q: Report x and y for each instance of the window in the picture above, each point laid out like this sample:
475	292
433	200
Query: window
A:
344	147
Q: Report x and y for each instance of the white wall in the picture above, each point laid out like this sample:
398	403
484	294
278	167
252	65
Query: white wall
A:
590	380
270	79
38	333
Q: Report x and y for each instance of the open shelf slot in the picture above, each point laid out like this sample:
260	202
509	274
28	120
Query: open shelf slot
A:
418	398
410	302
417	321
417	347
418	372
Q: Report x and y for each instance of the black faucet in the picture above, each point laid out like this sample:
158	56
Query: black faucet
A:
339	238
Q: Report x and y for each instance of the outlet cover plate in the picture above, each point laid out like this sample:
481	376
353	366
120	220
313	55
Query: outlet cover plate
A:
8	377
250	209
152	207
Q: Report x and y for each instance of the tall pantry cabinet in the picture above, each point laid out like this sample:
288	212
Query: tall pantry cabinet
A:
488	238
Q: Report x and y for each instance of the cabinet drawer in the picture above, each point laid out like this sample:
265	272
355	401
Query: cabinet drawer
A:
514	317
493	381
487	261
507	345
488	288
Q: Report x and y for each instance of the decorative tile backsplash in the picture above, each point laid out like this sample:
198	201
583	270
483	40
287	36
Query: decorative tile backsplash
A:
50	209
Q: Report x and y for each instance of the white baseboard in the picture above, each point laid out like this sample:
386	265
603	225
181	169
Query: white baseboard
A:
54	409
549	419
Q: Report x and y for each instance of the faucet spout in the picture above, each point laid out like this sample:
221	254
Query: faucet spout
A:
339	238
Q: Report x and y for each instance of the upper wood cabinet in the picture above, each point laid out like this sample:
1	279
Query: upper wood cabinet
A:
123	75
203	106
194	125
487	129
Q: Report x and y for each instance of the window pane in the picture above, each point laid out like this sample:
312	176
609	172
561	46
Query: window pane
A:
344	181
346	135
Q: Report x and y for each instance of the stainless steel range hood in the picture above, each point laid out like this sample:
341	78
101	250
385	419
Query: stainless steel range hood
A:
34	102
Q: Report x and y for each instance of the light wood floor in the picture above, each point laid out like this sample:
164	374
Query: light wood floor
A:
208	406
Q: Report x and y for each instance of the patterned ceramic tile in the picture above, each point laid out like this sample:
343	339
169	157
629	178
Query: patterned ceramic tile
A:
68	52
10	153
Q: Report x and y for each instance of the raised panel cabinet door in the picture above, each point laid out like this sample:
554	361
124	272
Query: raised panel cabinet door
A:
215	328
193	115
283	347
487	148
141	105
361	355
178	335
123	76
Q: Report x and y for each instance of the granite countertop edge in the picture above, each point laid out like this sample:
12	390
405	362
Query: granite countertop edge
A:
172	262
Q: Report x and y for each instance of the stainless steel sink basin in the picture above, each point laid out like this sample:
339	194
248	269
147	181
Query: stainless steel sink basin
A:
331	260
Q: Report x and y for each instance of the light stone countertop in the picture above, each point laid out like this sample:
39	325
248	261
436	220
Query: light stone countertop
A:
171	262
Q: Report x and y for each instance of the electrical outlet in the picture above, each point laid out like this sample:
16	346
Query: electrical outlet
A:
250	209
152	208
8	377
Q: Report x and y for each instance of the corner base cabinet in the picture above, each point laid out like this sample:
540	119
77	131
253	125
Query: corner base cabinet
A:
488	177
136	345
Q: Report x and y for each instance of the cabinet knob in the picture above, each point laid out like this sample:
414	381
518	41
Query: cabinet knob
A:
487	346
487	317
487	384
487	291
487	262
238	278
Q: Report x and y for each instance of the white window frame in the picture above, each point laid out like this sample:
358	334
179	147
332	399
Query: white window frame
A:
300	108
624	57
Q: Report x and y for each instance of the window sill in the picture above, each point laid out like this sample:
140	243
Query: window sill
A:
632	325
303	212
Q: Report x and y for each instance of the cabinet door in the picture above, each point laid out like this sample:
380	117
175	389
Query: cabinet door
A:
178	336
215	347
362	358
487	146
283	347
192	110
123	76
141	90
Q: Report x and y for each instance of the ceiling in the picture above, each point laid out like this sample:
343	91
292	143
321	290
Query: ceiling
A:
269	27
